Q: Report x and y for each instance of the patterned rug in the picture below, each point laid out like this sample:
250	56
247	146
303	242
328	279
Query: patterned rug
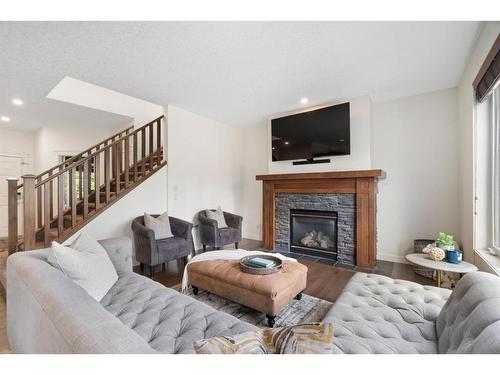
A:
308	309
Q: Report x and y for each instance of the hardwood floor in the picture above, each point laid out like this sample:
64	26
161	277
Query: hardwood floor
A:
325	279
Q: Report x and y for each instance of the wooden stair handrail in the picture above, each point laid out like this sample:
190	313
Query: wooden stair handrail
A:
98	146
90	156
74	157
69	195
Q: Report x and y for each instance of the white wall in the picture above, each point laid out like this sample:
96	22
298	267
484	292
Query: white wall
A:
204	165
361	145
466	117
416	143
150	196
254	163
18	143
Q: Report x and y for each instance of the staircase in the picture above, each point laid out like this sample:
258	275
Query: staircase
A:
63	199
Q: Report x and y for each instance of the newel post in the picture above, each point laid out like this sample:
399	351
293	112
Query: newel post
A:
29	210
12	214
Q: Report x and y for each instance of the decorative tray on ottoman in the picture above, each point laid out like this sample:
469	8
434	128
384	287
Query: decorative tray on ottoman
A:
246	267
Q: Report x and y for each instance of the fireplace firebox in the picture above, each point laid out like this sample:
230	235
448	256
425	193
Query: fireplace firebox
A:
314	233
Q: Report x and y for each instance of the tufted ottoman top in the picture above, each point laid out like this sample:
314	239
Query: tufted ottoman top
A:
377	314
166	319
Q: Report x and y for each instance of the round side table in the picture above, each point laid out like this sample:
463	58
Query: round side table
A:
424	261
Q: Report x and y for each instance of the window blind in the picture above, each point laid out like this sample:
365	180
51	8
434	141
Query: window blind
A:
489	74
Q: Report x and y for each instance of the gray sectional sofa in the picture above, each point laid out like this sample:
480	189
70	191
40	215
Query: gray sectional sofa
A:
48	313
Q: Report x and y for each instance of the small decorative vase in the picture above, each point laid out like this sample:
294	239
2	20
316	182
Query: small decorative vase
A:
453	256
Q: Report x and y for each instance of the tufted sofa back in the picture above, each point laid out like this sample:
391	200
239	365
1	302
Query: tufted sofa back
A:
470	320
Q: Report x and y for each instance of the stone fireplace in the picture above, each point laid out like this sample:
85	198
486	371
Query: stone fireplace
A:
332	215
345	200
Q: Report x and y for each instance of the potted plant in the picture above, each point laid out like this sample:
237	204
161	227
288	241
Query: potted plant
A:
445	242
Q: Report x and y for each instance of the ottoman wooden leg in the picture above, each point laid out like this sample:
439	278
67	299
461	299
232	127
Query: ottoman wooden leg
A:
298	297
195	290
270	320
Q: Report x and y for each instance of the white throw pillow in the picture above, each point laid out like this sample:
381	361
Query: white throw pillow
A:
159	225
87	263
217	215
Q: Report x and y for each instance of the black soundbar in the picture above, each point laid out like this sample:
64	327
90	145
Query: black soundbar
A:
311	161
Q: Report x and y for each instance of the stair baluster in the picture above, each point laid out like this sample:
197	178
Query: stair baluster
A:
61	200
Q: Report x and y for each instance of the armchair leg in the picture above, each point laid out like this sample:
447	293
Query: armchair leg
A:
142	268
204	248
152	271
236	244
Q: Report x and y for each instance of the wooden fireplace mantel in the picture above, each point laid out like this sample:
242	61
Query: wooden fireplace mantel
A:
362	183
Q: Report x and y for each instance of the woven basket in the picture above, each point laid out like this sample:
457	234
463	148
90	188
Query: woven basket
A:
418	246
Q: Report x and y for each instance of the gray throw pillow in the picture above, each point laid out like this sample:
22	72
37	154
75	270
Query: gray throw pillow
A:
86	263
218	215
159	225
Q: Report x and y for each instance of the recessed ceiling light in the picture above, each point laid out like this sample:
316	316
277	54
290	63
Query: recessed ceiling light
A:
5	118
304	101
16	101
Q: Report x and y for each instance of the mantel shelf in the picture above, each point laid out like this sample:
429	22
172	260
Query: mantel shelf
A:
375	173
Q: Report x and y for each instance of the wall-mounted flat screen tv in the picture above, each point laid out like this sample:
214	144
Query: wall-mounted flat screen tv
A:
308	135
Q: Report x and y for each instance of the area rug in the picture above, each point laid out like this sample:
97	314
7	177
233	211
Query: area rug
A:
308	309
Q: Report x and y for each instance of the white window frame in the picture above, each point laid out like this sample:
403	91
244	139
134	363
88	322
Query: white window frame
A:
495	164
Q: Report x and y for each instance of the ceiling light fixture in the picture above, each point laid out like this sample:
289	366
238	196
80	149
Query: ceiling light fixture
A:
16	101
304	101
286	142
5	118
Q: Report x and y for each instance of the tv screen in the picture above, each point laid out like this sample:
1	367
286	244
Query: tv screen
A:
308	135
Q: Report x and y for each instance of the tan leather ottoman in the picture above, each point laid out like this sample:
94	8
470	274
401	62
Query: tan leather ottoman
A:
268	293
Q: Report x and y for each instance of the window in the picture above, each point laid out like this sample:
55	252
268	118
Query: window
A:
495	163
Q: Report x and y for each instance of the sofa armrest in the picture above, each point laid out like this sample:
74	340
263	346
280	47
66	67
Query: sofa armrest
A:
232	220
120	252
49	313
180	228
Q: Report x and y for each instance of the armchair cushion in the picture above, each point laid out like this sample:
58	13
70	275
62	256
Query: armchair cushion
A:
172	248
228	235
217	215
159	225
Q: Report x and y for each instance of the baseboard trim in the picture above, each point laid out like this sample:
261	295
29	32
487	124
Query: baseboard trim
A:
392	258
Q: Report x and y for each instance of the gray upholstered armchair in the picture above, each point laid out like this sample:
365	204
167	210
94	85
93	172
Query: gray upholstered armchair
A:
216	237
151	252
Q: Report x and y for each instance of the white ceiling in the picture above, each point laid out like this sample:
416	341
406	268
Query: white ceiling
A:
239	73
